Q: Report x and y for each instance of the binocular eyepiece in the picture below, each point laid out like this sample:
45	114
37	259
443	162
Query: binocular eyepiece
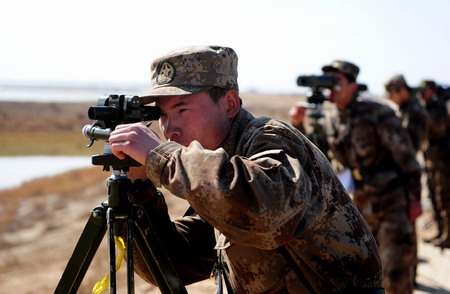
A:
317	81
111	111
114	110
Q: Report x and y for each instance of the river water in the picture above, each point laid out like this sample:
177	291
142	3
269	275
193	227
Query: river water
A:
16	170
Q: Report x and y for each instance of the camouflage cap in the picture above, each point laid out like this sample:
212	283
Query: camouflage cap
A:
344	67
396	82
192	70
428	84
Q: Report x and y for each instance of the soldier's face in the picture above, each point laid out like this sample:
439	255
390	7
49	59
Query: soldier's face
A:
194	117
427	94
398	96
343	92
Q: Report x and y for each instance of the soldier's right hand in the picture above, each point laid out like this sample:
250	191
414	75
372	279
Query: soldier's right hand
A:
135	140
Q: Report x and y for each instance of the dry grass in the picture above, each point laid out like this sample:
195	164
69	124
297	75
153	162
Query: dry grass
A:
30	143
55	128
63	187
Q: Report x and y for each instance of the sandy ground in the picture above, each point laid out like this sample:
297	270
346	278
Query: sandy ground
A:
38	232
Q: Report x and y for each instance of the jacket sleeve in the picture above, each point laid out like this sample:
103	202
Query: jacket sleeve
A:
188	241
255	199
396	139
418	128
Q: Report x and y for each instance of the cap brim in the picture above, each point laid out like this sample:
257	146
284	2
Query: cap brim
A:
328	68
171	91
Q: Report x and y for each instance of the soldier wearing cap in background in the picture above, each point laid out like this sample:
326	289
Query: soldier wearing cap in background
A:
437	160
370	140
413	115
267	212
414	118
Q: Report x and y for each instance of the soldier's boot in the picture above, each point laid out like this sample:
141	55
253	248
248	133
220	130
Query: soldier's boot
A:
444	241
439	232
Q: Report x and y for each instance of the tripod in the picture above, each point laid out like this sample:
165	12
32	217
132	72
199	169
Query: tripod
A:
119	217
318	134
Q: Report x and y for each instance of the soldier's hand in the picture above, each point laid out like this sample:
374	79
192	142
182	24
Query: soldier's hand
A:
415	210
135	140
297	114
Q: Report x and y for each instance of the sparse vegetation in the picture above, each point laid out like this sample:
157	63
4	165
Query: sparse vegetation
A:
14	144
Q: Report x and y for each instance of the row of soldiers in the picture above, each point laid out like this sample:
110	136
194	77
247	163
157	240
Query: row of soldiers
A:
379	145
424	114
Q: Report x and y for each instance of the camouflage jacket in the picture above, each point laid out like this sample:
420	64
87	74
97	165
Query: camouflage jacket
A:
438	150
416	121
269	202
439	129
370	140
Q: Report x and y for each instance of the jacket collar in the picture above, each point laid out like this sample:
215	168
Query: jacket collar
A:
238	125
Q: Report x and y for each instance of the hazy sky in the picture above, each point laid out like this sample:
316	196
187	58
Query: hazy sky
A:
106	41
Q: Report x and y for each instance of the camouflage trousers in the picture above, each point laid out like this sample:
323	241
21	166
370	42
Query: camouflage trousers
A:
396	241
438	164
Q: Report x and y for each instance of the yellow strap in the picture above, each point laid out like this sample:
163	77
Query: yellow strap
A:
104	283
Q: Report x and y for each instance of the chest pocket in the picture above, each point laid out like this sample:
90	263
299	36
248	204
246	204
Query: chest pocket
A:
361	142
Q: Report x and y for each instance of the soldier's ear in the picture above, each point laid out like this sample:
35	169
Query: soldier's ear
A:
232	103
354	86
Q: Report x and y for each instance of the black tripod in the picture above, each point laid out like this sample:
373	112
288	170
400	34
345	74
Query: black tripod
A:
120	217
318	134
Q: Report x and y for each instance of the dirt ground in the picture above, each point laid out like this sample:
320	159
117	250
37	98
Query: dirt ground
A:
41	221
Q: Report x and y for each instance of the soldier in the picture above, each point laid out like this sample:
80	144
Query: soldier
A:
437	160
413	115
370	140
414	118
260	193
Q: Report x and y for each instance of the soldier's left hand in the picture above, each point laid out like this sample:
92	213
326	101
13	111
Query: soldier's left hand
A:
297	114
415	210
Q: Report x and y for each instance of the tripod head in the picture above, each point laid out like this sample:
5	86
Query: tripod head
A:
315	96
111	111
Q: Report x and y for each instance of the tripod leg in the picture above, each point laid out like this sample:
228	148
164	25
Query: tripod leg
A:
116	224
84	252
155	256
111	251
130	260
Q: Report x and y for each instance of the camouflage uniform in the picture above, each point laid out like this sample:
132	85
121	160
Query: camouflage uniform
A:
437	157
416	121
372	142
268	201
413	115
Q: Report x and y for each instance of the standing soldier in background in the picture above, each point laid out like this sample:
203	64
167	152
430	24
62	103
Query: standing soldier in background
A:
371	141
413	115
437	160
414	118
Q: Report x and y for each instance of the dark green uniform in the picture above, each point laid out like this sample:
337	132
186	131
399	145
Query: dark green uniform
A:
437	157
416	121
